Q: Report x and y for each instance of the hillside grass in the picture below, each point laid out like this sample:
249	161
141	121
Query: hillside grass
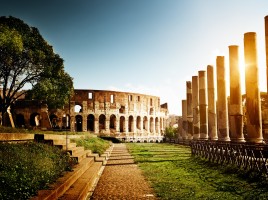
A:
95	144
175	174
28	167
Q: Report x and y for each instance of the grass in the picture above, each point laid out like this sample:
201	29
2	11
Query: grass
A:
28	167
174	174
95	144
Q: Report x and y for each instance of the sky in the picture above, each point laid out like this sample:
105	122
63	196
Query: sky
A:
144	46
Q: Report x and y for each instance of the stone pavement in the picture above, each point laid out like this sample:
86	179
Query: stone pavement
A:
122	179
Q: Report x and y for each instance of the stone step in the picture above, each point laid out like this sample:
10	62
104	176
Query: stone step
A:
69	146
75	150
16	136
61	141
79	156
80	189
65	182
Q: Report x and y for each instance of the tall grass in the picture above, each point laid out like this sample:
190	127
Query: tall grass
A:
174	174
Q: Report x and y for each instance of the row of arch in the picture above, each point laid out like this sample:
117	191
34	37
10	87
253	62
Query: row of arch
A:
97	123
120	124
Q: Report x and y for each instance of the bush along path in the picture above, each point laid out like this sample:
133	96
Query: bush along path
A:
174	174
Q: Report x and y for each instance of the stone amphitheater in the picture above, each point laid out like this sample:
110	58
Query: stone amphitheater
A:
130	117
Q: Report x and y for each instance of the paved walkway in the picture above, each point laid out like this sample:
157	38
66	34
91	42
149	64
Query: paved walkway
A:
122	179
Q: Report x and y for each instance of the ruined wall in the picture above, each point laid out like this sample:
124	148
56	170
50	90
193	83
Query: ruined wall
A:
128	116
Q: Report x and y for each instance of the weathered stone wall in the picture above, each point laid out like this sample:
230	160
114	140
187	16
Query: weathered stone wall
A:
128	116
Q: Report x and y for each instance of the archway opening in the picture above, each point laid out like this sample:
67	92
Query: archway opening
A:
79	123
122	124
90	122
102	120
20	122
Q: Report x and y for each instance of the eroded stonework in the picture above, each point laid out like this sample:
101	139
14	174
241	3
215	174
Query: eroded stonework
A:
127	116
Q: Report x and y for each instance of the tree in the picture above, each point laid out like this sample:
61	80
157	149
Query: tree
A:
170	132
26	59
56	91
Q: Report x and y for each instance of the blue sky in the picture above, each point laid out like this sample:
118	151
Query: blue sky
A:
144	46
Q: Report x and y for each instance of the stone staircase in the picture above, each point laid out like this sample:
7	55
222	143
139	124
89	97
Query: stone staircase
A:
80	182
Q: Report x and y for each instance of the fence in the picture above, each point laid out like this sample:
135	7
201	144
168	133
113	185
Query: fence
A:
251	157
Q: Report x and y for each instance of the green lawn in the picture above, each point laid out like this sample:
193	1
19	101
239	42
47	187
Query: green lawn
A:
174	174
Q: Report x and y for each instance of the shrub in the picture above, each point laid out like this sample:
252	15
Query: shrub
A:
28	167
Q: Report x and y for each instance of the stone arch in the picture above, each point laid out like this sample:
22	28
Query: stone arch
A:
138	123
79	123
131	124
102	119
35	119
113	122
78	108
54	121
20	122
122	124
90	122
145	123
122	109
151	125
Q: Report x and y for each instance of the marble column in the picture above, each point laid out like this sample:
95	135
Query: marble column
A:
235	109
222	110
189	110
203	105
212	115
253	104
266	47
196	117
184	119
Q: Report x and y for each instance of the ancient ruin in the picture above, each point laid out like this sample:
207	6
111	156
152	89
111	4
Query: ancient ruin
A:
126	116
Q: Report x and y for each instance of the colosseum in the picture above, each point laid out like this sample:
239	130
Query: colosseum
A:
130	117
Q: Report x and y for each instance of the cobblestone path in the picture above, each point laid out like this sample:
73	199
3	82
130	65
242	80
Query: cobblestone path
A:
122	179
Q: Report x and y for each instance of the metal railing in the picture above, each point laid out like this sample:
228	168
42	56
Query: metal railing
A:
249	157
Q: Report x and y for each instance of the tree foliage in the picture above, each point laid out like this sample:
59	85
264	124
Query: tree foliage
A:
170	132
26	59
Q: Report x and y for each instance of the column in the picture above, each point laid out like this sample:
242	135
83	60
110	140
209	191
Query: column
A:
236	111
96	124
253	106
141	125
212	114
184	119
266	47
223	128
117	122
203	105
180	129
196	117
189	110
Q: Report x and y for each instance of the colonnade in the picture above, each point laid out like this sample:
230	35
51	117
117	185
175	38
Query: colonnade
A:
207	112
